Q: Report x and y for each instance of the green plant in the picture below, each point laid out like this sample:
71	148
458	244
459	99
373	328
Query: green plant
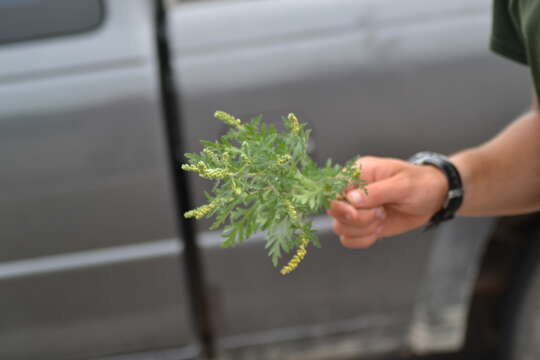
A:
266	181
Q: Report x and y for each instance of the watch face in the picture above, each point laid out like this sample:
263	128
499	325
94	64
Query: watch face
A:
423	156
420	157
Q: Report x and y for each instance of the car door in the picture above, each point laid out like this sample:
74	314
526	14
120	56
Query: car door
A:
89	247
371	77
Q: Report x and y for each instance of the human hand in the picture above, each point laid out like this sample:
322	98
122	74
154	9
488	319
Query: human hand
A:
401	197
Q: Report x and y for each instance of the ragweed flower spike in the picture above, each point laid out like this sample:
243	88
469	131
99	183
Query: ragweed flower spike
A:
206	172
189	167
291	211
200	212
211	154
217	173
297	258
229	119
283	159
295	124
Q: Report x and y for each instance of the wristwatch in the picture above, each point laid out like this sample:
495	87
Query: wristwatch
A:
455	186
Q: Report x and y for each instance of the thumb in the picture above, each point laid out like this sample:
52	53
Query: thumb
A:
378	194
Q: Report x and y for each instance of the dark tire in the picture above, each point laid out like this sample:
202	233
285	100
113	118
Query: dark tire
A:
521	324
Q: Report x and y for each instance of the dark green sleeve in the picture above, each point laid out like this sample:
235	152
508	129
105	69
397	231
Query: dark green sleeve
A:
506	38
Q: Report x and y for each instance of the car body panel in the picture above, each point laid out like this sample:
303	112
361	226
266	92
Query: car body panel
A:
90	254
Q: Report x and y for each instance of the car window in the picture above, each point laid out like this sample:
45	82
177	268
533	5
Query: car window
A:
22	20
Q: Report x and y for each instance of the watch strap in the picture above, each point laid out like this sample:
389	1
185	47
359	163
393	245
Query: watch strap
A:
455	186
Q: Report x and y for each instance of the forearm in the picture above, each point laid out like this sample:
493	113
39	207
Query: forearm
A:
502	176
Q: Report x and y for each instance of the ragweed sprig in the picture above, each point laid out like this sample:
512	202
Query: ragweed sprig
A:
266	181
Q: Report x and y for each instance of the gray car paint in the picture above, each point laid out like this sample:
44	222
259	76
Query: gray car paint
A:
89	252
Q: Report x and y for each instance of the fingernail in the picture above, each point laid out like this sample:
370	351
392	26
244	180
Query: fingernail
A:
354	198
380	213
348	217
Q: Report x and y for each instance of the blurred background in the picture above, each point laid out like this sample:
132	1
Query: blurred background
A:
99	99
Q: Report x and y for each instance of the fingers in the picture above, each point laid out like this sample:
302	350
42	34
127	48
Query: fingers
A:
356	231
341	211
380	193
348	215
356	228
378	168
360	220
368	165
359	242
383	184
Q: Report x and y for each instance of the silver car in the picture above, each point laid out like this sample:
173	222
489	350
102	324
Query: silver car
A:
100	99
